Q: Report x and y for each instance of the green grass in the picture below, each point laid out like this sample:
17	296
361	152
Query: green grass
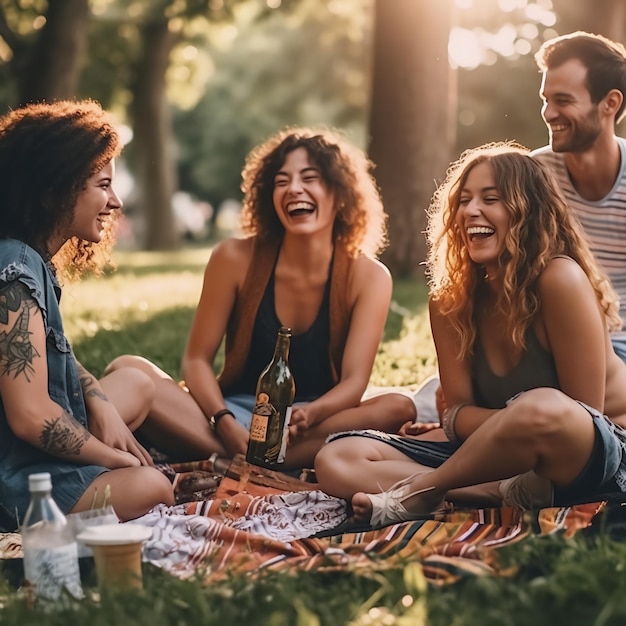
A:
146	307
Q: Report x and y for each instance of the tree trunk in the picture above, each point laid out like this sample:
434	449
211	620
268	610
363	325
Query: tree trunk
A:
612	23
53	65
606	18
153	137
411	130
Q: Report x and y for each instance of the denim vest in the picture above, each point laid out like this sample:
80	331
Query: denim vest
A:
18	459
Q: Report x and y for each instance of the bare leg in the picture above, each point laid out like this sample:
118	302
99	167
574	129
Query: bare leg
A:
385	412
134	491
176	425
484	495
543	430
351	464
132	393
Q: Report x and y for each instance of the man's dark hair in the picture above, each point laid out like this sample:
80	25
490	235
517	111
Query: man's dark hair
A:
604	59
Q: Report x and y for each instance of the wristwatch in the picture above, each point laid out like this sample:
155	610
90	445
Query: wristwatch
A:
216	417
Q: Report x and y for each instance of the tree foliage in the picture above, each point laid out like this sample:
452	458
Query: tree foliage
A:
311	67
227	73
44	47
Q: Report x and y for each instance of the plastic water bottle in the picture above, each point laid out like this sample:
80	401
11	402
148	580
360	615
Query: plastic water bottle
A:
50	550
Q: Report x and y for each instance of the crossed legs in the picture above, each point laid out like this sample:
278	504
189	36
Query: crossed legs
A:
176	424
385	412
133	490
543	430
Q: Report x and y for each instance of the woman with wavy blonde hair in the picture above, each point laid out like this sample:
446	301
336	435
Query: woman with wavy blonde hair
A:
541	229
313	224
520	313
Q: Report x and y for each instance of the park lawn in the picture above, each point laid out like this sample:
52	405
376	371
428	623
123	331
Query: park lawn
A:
146	307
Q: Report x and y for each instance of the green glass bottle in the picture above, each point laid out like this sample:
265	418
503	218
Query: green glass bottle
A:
275	391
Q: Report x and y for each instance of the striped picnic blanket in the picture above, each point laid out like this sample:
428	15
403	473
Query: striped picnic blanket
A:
253	519
262	520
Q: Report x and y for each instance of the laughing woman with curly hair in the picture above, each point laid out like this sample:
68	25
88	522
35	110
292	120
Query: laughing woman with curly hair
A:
57	164
313	223
520	315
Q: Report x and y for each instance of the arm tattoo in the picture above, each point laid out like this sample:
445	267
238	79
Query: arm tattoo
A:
96	393
87	382
16	350
63	436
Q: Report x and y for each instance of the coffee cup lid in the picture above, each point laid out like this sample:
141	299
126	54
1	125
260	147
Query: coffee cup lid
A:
114	534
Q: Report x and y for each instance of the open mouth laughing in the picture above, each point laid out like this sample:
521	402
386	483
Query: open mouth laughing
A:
475	233
299	209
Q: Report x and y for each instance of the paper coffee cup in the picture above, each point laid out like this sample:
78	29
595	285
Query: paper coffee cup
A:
117	553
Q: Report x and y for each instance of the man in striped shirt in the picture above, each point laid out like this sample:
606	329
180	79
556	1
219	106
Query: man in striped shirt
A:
583	91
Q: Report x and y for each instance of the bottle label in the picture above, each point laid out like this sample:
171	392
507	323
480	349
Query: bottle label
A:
49	570
285	437
258	427
269	431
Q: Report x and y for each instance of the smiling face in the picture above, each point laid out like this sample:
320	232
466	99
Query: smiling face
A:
302	200
94	204
482	218
573	120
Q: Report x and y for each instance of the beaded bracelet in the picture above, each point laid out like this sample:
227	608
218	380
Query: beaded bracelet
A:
448	420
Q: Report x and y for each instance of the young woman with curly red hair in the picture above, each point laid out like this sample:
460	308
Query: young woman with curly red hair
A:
313	223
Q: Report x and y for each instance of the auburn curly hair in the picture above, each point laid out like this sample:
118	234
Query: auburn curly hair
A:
361	220
48	151
541	227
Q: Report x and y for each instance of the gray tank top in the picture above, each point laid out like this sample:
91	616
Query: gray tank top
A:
535	369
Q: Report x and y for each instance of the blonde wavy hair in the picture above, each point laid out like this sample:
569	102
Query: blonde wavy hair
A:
541	227
361	220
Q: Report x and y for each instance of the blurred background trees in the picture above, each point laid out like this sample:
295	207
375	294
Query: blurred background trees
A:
197	83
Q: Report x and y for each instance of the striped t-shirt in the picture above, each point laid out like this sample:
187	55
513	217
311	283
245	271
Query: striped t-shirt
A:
604	221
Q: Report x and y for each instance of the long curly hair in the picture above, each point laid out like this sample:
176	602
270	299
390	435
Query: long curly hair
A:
541	227
361	220
48	151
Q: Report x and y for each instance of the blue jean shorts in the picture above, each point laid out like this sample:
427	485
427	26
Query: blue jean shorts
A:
241	404
605	471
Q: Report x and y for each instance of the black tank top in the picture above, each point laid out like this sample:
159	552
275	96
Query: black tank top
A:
309	357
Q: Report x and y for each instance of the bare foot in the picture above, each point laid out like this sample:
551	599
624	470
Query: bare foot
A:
362	507
399	503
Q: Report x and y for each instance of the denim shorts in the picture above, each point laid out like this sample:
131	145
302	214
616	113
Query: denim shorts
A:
605	471
428	453
241	404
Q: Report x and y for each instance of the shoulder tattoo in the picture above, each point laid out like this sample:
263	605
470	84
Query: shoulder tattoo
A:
16	350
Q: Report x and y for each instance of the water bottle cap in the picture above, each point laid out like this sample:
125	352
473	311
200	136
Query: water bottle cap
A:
39	482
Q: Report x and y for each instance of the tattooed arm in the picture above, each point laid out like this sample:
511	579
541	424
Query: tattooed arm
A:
104	420
31	413
90	385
